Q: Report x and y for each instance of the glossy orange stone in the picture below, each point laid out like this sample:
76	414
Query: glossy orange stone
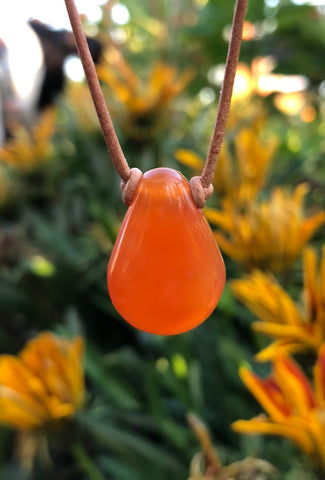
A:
166	273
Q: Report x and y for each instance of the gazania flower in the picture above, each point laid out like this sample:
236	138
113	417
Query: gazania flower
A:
30	148
268	235
43	385
295	326
141	104
294	409
239	177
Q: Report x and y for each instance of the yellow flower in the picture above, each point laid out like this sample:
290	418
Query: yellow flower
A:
294	327
293	408
253	158
268	235
29	149
239	177
141	104
43	385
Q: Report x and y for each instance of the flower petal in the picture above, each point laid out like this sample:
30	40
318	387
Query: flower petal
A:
267	393
295	385
279	347
319	377
261	426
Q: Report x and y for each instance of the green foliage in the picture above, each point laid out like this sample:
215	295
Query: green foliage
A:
62	221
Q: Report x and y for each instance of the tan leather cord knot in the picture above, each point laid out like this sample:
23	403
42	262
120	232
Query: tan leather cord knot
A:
201	186
200	193
130	186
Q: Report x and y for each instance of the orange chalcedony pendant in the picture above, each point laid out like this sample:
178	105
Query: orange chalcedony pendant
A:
166	273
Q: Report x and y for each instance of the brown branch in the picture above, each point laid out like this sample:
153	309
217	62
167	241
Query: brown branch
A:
104	118
226	93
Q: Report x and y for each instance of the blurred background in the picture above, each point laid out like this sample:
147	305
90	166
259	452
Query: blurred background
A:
144	404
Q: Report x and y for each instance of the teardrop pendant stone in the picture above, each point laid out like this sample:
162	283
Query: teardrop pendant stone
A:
166	273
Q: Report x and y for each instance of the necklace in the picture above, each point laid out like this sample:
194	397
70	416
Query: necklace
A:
165	274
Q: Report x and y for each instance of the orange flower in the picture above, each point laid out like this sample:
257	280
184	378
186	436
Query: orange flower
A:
294	409
241	177
268	235
140	104
295	327
43	385
29	149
